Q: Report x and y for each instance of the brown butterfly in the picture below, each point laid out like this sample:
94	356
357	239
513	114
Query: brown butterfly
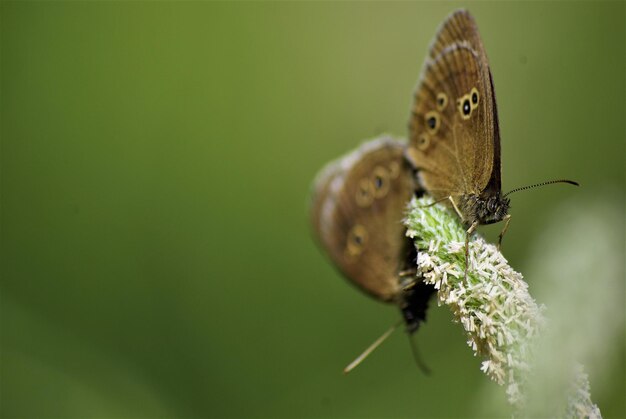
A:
453	130
357	208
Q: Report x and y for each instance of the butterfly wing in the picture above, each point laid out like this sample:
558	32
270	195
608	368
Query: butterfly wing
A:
459	27
358	216
320	197
453	131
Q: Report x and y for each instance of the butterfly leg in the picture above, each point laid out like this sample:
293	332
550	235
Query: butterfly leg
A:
408	272
411	282
507	220
467	237
437	201
457	210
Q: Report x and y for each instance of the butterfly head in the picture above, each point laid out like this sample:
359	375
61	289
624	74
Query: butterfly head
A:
486	209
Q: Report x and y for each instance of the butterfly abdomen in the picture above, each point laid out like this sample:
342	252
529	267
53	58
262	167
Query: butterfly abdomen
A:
415	305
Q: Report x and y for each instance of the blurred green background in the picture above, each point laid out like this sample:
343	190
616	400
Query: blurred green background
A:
156	164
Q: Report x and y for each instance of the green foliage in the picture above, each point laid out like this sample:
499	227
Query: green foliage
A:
155	257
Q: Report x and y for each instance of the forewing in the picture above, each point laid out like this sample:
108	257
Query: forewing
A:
459	27
459	152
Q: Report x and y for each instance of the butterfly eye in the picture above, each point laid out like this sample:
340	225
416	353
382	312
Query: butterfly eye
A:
357	237
442	101
423	142
364	193
380	181
475	97
432	122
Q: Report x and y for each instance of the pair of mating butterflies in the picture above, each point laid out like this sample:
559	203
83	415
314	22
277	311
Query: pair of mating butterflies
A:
453	154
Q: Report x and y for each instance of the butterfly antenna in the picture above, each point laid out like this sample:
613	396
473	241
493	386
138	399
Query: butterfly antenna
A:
523	188
371	348
416	356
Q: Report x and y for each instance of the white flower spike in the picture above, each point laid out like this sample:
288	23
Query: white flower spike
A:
502	321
